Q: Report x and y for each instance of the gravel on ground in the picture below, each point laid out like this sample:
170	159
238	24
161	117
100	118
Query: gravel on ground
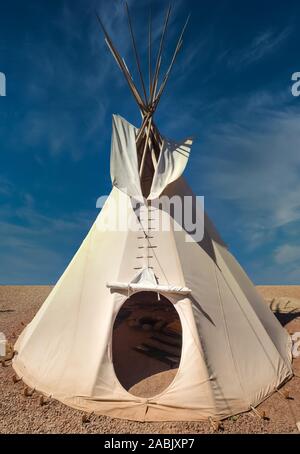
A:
20	414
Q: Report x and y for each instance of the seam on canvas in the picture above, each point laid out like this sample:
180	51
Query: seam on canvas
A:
253	330
228	338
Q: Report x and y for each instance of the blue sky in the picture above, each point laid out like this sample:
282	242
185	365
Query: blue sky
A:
231	89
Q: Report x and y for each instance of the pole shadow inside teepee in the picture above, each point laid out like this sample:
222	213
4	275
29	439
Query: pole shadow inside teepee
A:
147	340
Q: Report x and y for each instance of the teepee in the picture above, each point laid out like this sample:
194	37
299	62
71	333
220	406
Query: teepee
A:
234	351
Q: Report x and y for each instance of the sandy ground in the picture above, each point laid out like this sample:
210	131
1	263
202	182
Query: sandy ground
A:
277	291
19	414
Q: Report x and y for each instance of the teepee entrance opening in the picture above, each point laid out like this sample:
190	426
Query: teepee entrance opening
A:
146	344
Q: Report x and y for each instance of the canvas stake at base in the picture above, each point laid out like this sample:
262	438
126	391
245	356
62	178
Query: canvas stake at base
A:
15	379
285	394
86	418
44	400
28	392
216	425
261	415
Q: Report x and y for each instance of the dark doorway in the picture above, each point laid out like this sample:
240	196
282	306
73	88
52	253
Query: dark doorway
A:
146	344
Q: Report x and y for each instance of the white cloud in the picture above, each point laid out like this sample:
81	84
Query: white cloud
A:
33	244
263	44
5	186
286	254
255	163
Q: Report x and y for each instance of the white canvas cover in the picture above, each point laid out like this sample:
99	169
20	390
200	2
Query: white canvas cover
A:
123	160
124	166
171	164
234	351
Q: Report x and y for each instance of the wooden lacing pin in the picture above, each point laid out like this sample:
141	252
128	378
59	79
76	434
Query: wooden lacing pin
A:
262	415
28	392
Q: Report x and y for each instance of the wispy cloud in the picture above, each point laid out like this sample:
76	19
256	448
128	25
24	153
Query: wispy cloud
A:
262	45
6	186
259	166
252	162
245	160
286	254
33	243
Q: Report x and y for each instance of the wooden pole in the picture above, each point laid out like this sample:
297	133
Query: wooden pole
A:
148	131
177	49
122	66
142	128
145	147
137	59
150	53
158	60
